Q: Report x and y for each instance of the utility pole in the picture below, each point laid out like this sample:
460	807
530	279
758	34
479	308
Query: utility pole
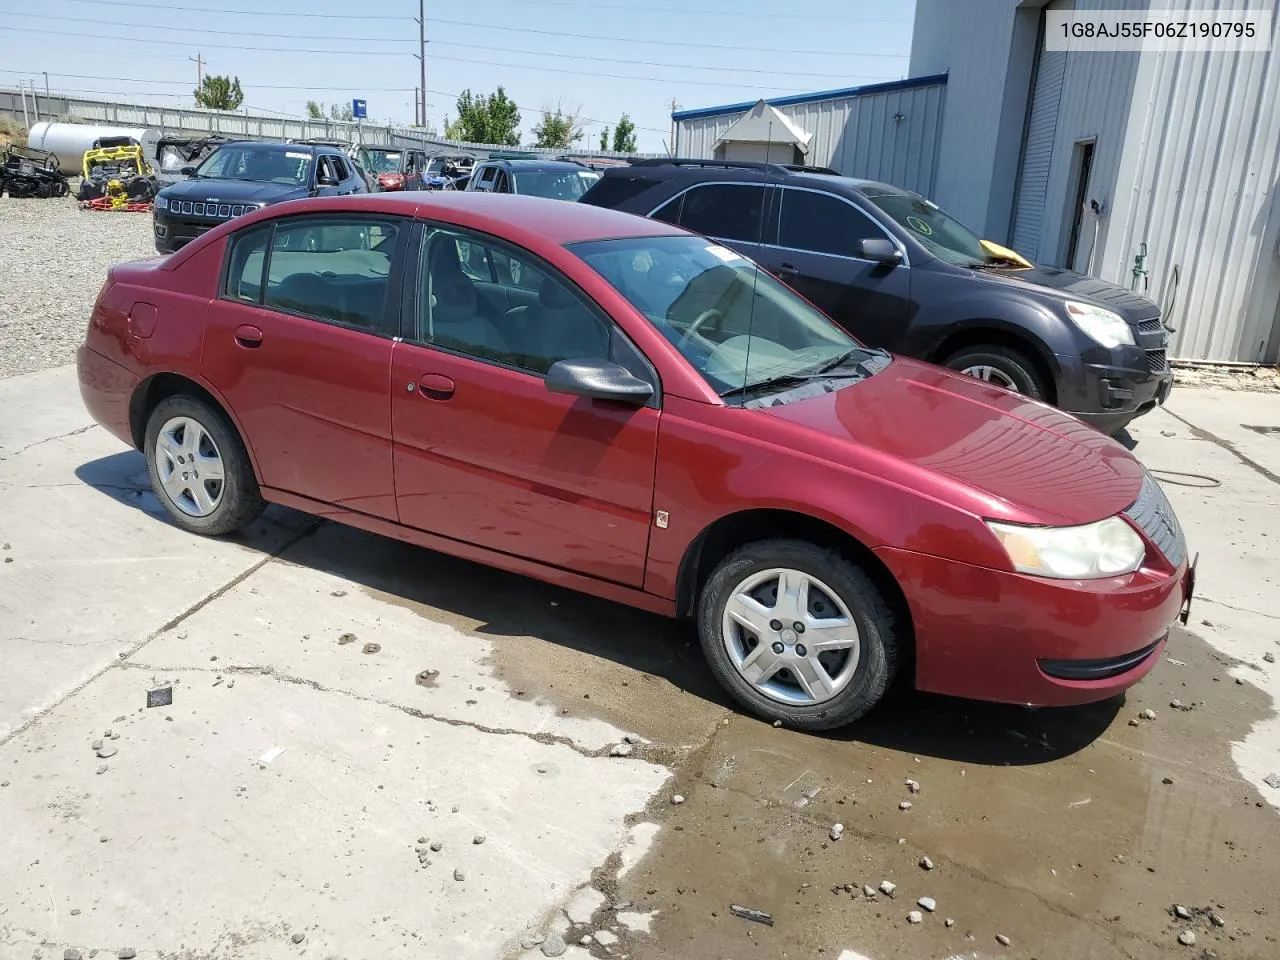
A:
46	85
199	62
674	149
422	60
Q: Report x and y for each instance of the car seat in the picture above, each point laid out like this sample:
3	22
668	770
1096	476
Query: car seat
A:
453	317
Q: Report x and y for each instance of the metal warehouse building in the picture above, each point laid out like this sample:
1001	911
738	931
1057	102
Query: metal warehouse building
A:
1153	169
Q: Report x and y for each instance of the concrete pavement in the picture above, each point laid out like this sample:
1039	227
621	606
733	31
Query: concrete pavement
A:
286	789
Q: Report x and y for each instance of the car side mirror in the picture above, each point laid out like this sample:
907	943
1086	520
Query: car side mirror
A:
599	380
877	249
188	171
326	181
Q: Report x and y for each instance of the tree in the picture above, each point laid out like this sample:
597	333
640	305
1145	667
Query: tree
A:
624	136
485	119
315	111
557	129
340	112
219	93
604	138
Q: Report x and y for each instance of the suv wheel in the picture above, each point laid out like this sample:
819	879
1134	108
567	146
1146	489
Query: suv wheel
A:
797	633
1001	366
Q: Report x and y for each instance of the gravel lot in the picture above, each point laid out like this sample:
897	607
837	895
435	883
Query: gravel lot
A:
55	257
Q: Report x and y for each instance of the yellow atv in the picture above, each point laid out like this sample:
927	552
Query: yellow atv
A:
115	175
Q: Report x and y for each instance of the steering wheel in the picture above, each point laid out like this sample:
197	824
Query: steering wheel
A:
699	321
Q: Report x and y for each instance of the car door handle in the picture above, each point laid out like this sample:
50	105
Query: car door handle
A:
434	386
248	336
787	270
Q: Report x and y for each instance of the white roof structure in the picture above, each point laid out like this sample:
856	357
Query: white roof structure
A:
765	124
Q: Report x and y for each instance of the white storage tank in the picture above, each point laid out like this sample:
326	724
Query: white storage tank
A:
69	141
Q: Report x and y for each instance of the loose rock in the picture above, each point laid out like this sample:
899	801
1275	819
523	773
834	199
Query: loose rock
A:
528	943
459	875
102	768
298	937
585	940
1003	940
948	922
478	839
837	831
1187	938
621	750
126	953
868	891
1148	714
777	723
71	953
96	745
107	750
677	800
915	916
905	805
926	863
747	913
928	903
371	648
913	786
1181	912
554	946
346	638
1272	780
1216	920
1176	704
887	887
1269	657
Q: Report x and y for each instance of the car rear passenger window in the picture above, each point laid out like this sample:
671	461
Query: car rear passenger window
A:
822	223
245	265
728	211
333	269
526	318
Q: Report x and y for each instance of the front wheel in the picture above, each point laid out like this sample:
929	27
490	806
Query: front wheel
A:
199	468
798	633
999	366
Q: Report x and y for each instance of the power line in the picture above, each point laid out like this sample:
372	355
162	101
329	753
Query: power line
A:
227	33
670	43
248	13
216	46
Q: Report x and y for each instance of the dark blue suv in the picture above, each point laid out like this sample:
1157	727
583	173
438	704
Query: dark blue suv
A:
898	272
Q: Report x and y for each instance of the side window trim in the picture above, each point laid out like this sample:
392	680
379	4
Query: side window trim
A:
411	300
782	188
391	320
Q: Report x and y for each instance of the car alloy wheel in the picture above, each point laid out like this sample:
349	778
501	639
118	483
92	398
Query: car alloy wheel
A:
189	466
790	636
991	375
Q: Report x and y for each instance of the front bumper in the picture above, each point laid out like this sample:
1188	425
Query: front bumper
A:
1109	397
995	635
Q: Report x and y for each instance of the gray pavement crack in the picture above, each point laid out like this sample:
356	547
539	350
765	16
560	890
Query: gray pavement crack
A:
1232	606
37	443
301	533
547	739
1202	434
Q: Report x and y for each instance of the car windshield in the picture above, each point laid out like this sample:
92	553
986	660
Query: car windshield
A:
556	184
945	237
742	329
383	161
249	162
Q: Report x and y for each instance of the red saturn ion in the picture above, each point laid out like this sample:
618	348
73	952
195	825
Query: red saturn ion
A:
618	406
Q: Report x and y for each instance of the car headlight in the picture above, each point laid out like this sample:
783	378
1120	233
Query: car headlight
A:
1105	326
162	203
1108	548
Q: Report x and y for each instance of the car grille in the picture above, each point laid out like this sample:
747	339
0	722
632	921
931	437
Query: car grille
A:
1153	514
1154	325
1157	361
221	211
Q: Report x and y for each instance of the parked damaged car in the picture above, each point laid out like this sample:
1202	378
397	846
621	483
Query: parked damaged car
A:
116	169
175	153
898	272
28	172
242	176
393	168
450	171
642	414
553	179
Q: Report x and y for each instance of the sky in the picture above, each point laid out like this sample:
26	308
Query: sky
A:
595	58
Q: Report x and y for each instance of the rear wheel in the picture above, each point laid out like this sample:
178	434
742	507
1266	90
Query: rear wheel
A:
199	468
797	633
1000	366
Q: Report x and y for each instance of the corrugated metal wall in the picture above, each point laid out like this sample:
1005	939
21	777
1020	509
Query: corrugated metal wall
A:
856	135
1201	179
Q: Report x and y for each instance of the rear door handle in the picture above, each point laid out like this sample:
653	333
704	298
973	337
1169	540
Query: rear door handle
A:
434	386
248	336
787	270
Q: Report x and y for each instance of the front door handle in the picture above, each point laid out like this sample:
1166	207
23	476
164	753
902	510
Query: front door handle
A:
787	270
248	336
434	386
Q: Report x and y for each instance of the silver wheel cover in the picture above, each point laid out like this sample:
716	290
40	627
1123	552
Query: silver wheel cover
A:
189	466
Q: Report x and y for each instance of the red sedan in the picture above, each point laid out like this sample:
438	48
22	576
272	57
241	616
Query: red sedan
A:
615	405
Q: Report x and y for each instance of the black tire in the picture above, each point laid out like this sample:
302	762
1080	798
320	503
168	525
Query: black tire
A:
240	502
879	653
1013	364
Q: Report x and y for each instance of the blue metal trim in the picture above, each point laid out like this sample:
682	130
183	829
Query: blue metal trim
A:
910	82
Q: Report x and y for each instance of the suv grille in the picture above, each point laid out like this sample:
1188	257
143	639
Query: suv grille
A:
223	211
1154	515
1154	325
1157	362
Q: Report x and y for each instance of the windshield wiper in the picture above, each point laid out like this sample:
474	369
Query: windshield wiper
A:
831	365
828	371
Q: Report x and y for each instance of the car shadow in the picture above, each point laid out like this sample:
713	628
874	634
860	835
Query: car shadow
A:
500	604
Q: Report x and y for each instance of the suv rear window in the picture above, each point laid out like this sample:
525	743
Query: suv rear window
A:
612	192
727	211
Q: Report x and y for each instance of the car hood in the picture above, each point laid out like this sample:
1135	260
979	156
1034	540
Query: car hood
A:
1132	306
232	191
966	442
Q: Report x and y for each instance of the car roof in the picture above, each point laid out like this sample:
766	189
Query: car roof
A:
280	147
523	164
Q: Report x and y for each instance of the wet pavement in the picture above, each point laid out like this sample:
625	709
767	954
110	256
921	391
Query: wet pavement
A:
491	705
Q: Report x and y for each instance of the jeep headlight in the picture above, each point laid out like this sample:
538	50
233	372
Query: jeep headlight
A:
1105	326
162	203
1108	548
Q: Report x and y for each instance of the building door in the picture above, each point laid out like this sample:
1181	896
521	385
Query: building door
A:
1080	254
1037	150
